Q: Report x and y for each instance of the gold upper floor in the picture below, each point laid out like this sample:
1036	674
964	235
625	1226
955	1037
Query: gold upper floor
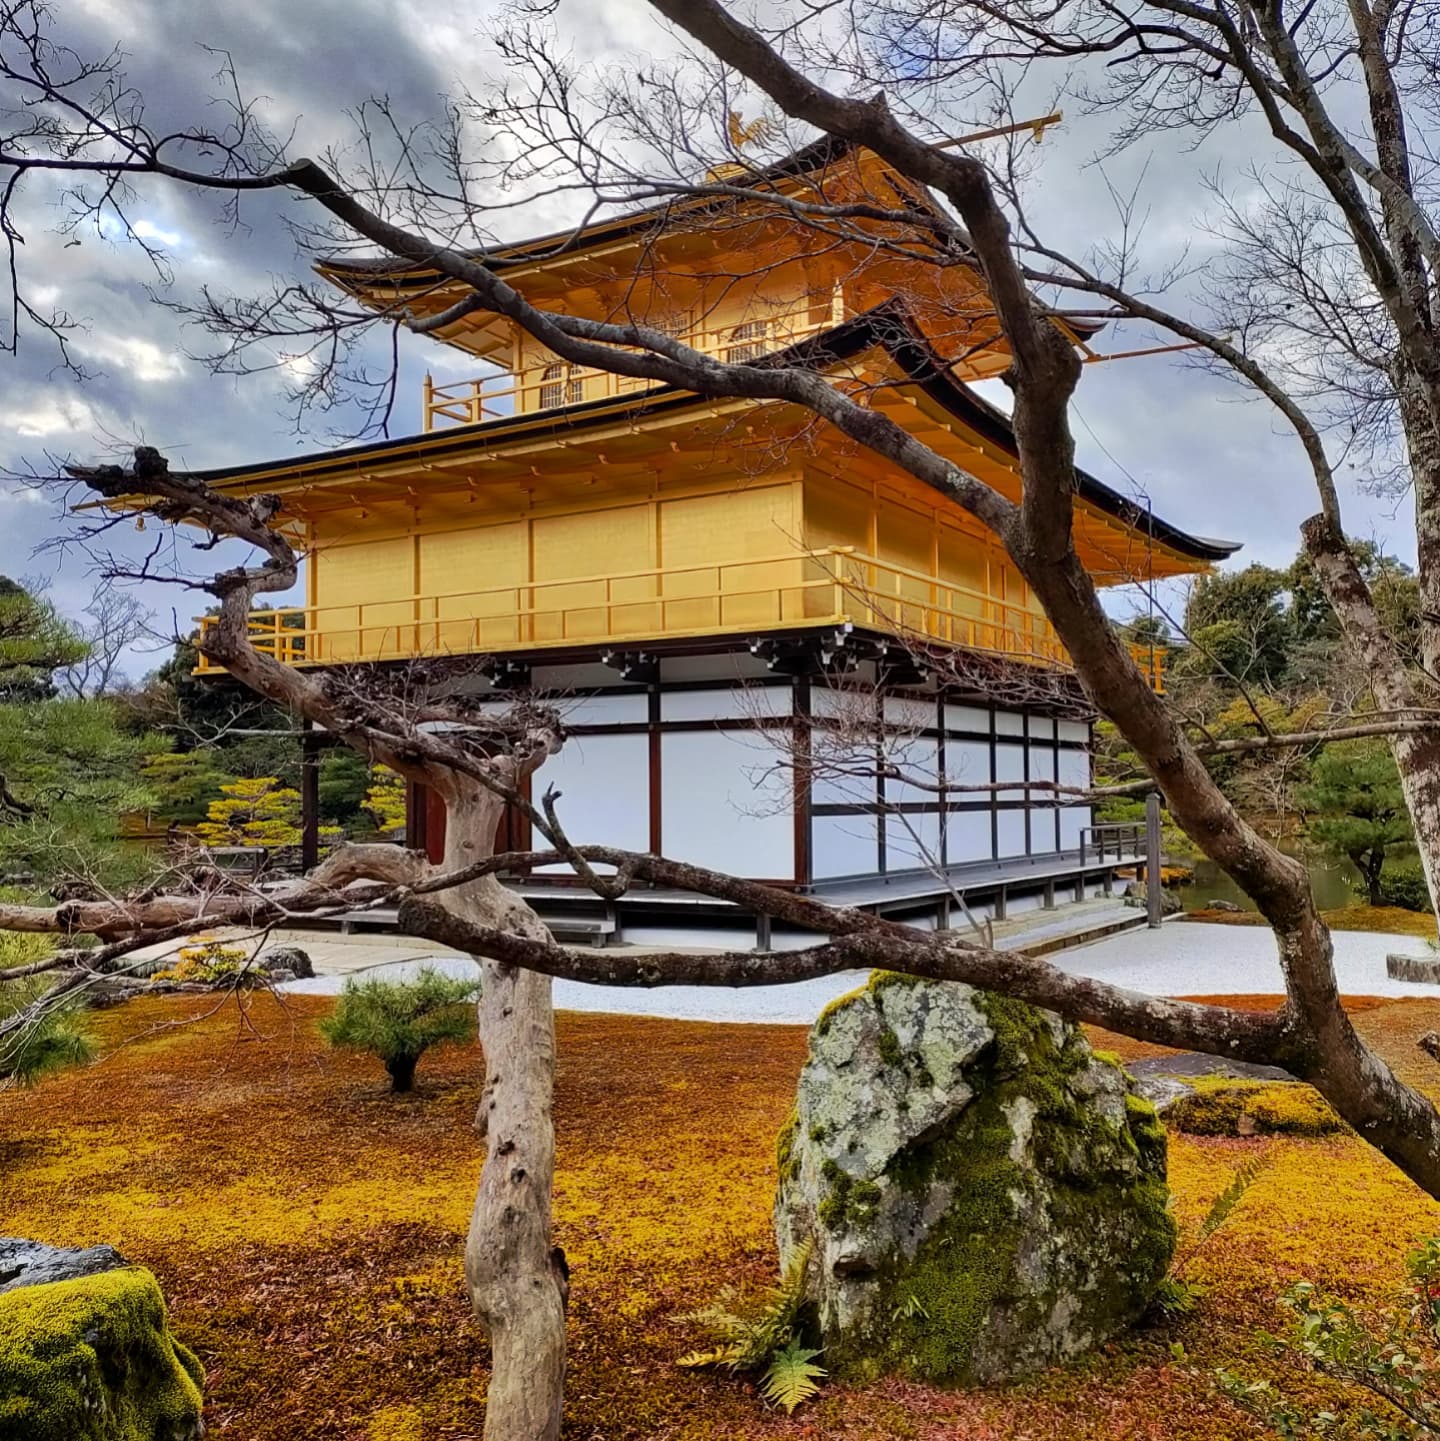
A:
547	506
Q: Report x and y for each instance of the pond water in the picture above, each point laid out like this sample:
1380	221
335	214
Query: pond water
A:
1331	881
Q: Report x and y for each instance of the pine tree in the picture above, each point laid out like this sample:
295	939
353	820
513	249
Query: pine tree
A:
1358	808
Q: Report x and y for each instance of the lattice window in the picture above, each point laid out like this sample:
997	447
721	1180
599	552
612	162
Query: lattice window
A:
561	386
747	342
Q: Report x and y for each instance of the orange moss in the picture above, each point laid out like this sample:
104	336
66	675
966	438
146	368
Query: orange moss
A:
1391	920
308	1227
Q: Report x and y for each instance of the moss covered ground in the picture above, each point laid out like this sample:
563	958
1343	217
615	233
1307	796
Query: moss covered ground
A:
306	1227
1388	920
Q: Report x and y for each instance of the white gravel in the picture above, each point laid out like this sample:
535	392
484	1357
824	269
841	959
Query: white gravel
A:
1185	959
1190	958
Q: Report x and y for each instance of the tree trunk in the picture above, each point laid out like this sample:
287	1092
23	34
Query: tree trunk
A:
516	1277
1373	866
401	1070
1417	753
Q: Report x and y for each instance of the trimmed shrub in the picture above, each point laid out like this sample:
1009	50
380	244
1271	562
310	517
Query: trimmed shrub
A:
398	1021
1401	885
208	964
49	1038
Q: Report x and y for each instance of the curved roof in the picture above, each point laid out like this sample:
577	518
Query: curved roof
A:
889	327
404	275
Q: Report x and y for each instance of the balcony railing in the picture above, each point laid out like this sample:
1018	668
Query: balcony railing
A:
791	590
553	384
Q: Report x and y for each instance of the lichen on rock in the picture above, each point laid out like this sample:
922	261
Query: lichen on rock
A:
92	1358
984	1195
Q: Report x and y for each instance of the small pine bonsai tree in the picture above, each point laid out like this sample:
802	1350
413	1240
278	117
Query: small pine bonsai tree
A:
399	1021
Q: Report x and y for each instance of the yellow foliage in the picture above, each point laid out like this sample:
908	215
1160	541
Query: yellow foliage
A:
385	800
205	964
253	811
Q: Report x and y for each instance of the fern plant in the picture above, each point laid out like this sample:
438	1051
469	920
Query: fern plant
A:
792	1376
1177	1296
764	1338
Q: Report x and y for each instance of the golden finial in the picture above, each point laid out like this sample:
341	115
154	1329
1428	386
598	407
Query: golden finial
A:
757	132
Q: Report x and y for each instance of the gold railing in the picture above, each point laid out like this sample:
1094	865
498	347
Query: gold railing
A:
793	589
546	386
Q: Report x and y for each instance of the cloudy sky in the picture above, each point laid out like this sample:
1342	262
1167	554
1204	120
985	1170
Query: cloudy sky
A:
1208	459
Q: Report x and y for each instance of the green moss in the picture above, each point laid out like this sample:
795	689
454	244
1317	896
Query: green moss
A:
1147	1131
888	1045
884	980
826	1017
93	1360
1219	1106
785	1145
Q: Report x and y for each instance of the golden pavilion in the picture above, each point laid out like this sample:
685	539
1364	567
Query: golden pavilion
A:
699	580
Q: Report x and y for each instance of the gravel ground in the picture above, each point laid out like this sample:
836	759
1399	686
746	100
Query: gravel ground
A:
1185	959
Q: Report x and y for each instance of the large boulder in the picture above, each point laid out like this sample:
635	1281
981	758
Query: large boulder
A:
86	1352
982	1194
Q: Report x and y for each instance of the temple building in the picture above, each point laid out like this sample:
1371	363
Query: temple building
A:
705	586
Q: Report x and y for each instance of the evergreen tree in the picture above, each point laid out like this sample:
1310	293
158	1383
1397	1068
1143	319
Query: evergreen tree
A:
184	783
344	779
70	773
256	811
34	643
1358	807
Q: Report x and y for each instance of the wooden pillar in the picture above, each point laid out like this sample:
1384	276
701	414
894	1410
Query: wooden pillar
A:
1153	910
310	743
415	837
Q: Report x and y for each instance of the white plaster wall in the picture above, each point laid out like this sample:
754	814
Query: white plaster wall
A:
1074	771
717	811
605	791
1011	833
966	718
912	842
967	837
967	763
732	703
621	708
843	846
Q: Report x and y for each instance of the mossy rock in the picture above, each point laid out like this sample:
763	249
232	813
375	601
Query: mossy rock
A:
93	1359
984	1196
1219	1106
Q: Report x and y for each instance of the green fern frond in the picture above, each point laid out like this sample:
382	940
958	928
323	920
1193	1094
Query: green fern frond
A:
774	1325
721	1322
1223	1206
791	1376
718	1356
766	1339
1175	1298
